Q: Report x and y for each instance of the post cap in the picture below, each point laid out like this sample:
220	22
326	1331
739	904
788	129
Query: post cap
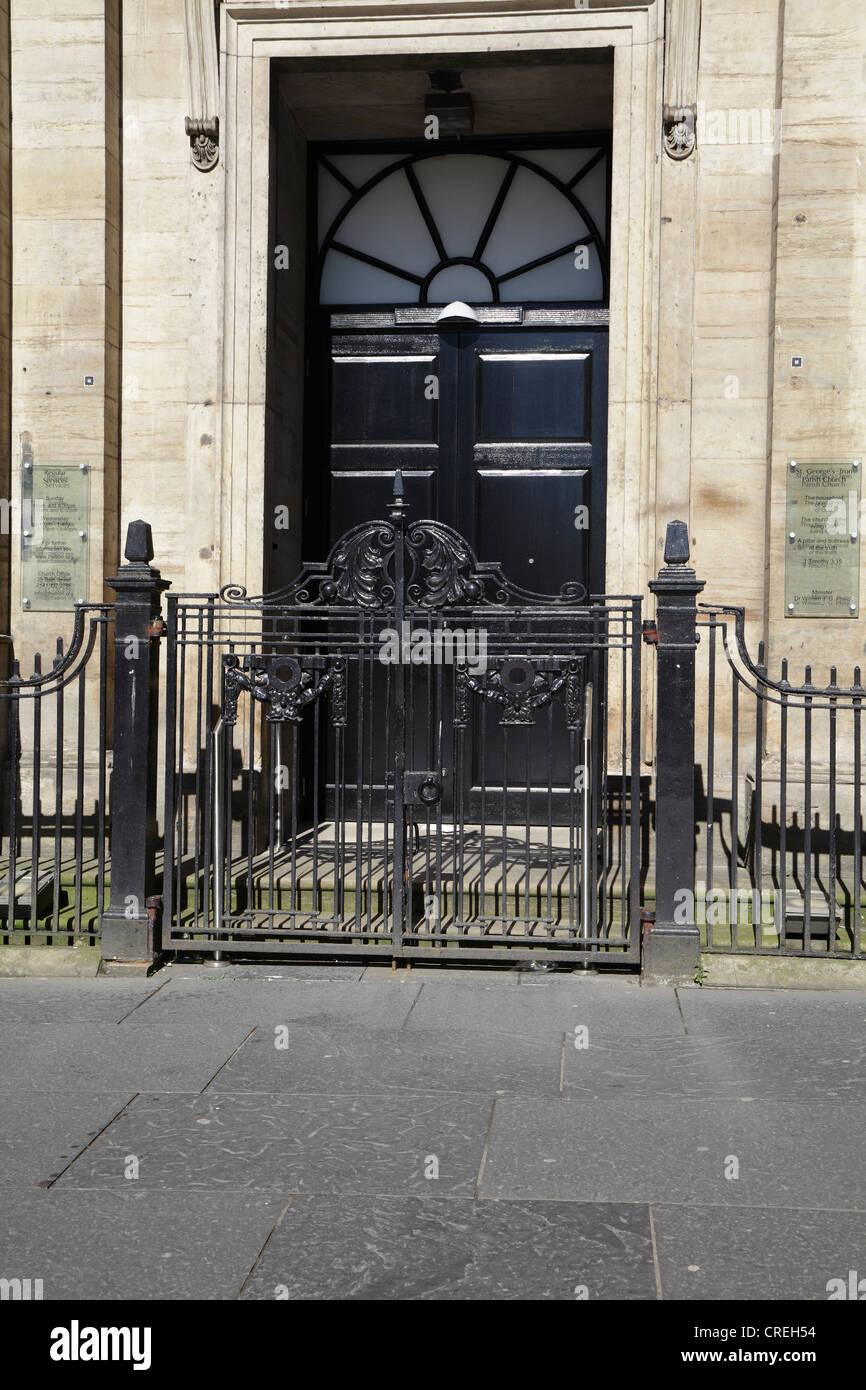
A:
139	543
677	543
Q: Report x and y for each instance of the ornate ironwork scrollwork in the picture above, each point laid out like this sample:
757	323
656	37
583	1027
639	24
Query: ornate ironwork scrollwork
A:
286	695
519	696
440	571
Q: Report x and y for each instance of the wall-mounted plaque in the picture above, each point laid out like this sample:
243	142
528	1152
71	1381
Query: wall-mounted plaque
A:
822	540
55	536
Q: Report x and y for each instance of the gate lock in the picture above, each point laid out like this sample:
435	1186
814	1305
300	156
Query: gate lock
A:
422	788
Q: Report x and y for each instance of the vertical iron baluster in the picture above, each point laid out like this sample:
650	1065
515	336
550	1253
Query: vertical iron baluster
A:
459	851
37	777
251	800
733	913
807	828
315	910
551	931
101	793
386	807
438	769
711	752
14	780
359	767
858	827
479	712
340	806
758	898
170	752
503	902
375	673
832	869
527	913
597	782
58	791
782	923
79	800
274	780
576	923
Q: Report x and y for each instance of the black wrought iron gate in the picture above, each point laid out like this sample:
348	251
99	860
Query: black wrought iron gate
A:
404	754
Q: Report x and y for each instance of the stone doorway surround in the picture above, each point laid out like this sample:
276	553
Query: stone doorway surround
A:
252	34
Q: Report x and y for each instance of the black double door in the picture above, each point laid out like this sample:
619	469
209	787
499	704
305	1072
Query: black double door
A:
501	434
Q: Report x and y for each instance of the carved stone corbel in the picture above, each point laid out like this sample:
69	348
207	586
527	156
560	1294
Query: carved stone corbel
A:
202	124
682	45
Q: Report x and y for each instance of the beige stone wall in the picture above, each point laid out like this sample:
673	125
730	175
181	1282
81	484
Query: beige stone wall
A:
65	268
778	272
733	303
5	312
819	411
159	213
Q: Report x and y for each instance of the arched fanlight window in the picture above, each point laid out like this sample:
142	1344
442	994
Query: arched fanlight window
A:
429	228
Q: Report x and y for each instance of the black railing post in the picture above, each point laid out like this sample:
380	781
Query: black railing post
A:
130	924
673	943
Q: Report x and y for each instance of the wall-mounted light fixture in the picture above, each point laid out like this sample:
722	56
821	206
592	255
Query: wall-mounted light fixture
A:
452	108
457	314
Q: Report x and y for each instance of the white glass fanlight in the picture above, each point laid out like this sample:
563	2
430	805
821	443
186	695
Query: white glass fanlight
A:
479	228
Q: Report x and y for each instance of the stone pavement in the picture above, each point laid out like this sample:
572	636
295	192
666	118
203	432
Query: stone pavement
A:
299	1131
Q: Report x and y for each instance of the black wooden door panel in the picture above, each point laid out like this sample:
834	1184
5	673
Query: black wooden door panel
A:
531	439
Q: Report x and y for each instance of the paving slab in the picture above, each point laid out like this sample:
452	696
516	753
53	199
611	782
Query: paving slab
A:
43	1131
318	1003
348	1061
820	1015
286	1144
173	1056
756	1253
551	1006
652	1149
135	1244
70	1000
410	1249
272	971
448	975
768	1066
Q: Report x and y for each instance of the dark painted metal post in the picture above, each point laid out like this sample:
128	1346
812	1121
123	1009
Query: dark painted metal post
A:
673	944
130	926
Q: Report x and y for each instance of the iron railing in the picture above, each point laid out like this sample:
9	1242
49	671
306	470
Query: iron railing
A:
54	797
780	818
